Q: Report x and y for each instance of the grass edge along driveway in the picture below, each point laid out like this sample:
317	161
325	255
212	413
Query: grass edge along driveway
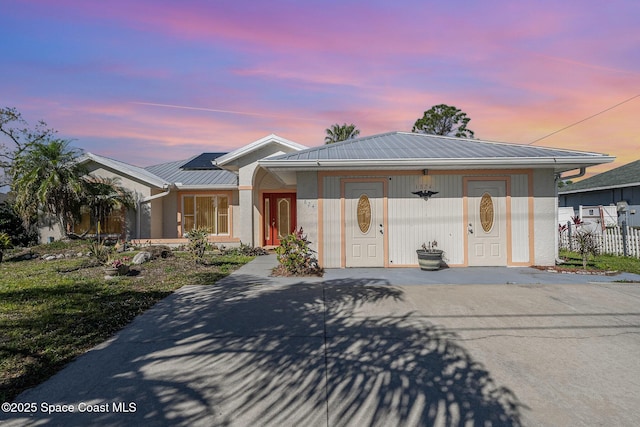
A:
53	311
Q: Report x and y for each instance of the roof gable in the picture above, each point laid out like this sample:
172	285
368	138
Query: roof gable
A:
132	171
257	145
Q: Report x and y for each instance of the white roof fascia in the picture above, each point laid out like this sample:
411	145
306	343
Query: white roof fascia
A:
242	151
606	187
205	187
494	162
132	171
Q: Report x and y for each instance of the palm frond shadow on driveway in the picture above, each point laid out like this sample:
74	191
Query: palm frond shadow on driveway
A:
247	352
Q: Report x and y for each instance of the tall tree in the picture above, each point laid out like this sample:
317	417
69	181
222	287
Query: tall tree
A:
337	133
444	120
46	178
16	136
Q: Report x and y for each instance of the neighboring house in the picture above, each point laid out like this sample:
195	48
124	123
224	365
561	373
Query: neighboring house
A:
369	201
621	184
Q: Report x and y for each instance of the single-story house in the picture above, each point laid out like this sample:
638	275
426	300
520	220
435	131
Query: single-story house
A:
619	187
370	201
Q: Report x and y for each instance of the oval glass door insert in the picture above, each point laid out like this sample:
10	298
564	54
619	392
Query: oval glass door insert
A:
486	212
364	213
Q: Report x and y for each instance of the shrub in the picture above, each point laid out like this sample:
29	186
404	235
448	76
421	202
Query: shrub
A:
296	257
588	244
12	225
100	251
198	243
5	243
246	250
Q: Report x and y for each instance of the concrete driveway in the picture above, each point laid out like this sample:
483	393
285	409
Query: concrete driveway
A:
356	349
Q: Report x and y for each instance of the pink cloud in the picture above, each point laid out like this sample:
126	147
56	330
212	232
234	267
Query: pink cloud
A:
519	70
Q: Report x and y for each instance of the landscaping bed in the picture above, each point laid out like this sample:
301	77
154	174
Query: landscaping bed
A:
608	265
53	310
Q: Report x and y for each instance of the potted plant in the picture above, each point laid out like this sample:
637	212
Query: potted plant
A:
118	267
430	258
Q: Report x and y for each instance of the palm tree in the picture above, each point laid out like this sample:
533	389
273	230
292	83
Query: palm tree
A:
103	196
47	179
342	132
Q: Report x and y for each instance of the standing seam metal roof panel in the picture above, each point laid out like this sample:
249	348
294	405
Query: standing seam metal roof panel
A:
401	145
173	172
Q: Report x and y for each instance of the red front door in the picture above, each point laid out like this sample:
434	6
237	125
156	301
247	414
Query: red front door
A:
279	216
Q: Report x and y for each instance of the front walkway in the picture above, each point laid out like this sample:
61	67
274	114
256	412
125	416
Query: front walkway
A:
262	266
356	348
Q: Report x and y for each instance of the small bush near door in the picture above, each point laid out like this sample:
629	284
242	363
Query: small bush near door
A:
588	245
198	243
296	258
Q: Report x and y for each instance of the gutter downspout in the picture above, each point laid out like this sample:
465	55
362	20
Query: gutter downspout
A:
583	170
147	200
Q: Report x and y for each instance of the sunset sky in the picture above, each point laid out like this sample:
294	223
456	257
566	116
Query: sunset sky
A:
151	81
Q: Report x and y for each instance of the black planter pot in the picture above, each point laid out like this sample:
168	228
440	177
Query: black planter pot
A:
429	260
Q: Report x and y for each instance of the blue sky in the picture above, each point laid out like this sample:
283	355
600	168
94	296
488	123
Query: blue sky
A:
153	81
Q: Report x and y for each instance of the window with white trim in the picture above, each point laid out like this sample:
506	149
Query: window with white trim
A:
209	212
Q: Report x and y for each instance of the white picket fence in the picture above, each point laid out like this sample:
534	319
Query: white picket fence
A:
610	241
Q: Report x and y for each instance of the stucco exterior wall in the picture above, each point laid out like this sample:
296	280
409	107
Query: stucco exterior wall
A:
414	221
329	240
48	230
252	180
248	163
157	218
545	225
249	179
245	223
520	206
171	207
307	206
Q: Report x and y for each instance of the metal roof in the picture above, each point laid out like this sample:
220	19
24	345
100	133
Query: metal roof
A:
175	173
406	150
623	176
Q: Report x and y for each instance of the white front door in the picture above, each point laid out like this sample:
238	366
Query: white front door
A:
487	226
364	232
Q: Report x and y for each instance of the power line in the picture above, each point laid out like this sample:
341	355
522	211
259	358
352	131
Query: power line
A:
584	120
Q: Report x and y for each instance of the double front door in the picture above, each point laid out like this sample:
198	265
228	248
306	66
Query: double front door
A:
279	213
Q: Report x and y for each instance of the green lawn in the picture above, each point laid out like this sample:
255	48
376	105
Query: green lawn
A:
602	262
53	311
